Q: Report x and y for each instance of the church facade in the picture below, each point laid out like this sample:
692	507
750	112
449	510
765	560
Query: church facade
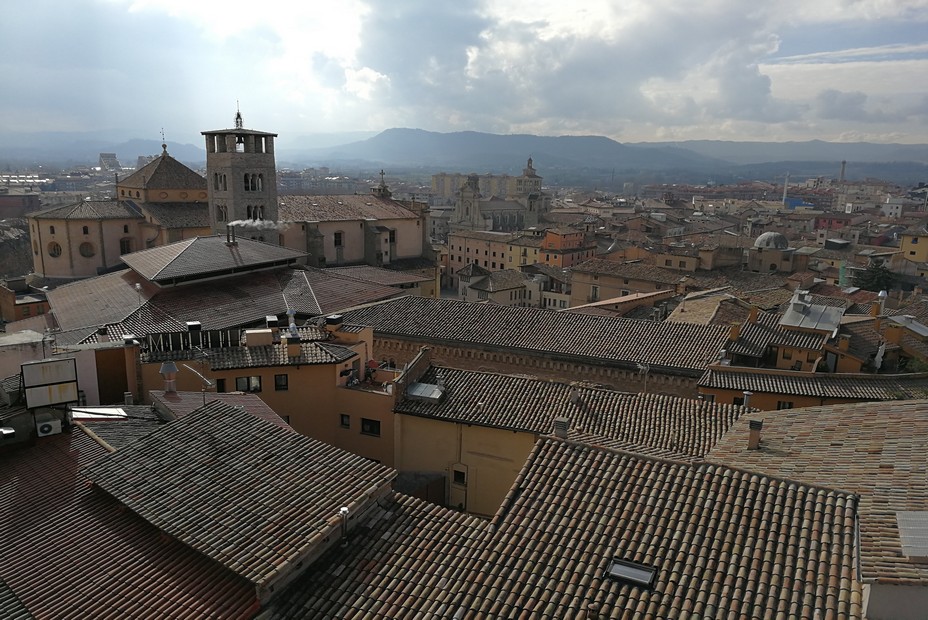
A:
522	208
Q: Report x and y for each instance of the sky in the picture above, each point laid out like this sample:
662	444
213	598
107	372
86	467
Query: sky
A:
632	70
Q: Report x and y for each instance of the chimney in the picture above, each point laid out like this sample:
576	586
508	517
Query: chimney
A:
230	235
755	427
333	323
294	348
127	398
102	334
271	322
560	427
844	341
343	518
747	398
735	332
752	316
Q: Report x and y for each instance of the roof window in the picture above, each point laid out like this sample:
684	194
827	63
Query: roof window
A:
631	572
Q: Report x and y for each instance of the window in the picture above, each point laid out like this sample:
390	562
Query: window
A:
248	384
683	264
392	236
738	400
914	240
86	230
344	420
631	572
594	293
784	404
370	427
281	383
460	477
668	263
125	228
220	385
54	249
481	294
125	245
339	239
787	354
51	230
87	250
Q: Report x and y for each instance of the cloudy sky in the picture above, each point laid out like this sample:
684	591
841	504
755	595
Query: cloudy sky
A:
633	70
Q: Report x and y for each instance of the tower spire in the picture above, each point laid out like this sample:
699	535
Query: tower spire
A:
238	116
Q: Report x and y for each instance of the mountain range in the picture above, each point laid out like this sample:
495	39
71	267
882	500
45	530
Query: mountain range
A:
561	160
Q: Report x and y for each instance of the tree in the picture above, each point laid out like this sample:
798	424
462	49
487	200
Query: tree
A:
876	277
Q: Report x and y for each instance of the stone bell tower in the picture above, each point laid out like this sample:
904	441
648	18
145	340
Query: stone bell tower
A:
241	175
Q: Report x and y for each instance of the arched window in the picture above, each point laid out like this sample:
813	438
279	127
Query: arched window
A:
86	230
245	180
248	212
261	212
54	249
125	228
51	230
260	182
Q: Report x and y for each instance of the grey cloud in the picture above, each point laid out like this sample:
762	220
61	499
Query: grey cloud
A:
850	106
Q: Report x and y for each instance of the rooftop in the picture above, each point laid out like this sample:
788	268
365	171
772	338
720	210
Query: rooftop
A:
862	387
253	497
680	347
341	208
869	449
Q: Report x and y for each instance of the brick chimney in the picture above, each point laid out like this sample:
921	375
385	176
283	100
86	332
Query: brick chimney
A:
735	332
754	426
752	316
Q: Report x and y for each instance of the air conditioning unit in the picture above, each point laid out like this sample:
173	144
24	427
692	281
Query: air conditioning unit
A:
46	424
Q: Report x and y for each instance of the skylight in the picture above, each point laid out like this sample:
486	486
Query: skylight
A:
631	572
913	533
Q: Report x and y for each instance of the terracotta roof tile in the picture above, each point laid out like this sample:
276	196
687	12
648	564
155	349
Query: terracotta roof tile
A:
379	275
179	404
686	427
870	449
178	214
90	210
681	347
723	542
339	208
202	257
164	172
635	271
838	386
251	496
116	565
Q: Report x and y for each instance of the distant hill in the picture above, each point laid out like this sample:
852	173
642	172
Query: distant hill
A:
587	161
812	150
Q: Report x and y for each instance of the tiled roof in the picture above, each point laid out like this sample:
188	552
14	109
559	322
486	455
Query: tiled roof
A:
843	385
875	451
90	210
684	348
686	427
249	495
340	208
319	291
112	564
179	404
755	337
164	172
723	542
120	432
379	275
178	214
484	235
233	301
97	301
202	257
409	557
501	281
631	271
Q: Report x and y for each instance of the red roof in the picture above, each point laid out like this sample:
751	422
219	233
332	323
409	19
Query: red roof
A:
68	551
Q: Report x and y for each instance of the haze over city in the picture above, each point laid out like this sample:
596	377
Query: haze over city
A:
836	70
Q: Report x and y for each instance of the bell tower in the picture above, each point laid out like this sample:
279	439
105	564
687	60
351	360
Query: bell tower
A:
241	175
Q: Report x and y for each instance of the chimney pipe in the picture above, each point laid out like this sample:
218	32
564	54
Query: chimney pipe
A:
747	398
560	427
343	514
755	427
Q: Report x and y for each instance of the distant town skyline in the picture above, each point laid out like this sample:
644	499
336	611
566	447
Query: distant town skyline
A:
837	70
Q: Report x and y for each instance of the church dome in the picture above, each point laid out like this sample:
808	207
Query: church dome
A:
771	240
